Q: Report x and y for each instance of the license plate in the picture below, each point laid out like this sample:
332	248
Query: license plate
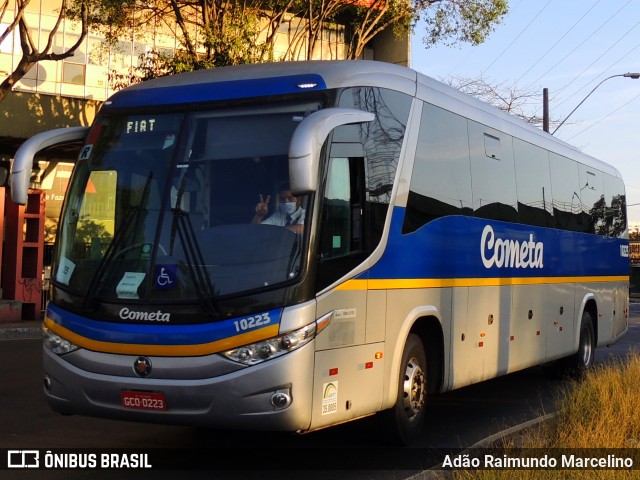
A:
143	400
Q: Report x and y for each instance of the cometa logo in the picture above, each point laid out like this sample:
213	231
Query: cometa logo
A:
509	253
158	316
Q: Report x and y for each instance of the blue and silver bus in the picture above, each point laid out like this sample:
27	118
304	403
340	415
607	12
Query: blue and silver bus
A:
291	246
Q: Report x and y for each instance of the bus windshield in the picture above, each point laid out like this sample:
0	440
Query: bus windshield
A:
163	207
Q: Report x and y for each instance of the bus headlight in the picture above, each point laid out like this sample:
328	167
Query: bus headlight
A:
56	343
277	346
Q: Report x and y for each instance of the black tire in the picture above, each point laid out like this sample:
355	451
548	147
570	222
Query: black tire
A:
582	361
405	420
577	365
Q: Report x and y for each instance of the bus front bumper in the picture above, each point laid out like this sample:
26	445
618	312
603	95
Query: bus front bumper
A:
274	395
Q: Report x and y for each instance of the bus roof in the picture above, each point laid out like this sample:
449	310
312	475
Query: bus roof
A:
279	78
263	79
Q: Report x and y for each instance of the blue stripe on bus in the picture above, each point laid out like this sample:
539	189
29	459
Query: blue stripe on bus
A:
214	91
450	247
157	334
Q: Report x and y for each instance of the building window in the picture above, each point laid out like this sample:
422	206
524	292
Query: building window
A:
73	73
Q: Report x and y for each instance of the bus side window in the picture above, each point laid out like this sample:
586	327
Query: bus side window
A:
565	187
441	177
614	223
492	164
342	239
533	184
592	201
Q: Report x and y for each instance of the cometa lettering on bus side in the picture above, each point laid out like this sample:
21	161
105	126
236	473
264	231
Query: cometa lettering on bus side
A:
510	253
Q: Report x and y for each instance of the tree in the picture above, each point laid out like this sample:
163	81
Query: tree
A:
524	104
446	21
215	33
31	53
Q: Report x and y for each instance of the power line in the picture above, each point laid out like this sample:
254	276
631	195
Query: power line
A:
537	110
578	46
555	44
517	36
597	78
603	53
605	117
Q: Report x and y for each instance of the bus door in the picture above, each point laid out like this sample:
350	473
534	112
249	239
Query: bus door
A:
348	377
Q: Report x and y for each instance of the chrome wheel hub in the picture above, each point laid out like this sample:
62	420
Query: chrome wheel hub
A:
414	389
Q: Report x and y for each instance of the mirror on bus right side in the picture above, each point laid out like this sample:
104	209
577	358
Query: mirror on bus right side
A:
307	141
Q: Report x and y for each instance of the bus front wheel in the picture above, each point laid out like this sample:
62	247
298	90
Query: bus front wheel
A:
406	418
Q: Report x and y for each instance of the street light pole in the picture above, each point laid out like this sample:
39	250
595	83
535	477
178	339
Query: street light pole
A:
628	75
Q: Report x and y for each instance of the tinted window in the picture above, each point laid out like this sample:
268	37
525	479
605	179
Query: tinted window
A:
343	243
566	199
592	203
533	184
382	141
441	178
614	223
494	186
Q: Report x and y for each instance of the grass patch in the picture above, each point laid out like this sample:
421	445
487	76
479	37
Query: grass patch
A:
602	411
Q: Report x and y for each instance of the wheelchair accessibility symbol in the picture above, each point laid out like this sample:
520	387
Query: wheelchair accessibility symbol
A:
166	276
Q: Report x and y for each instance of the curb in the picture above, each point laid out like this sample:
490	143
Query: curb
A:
15	331
490	440
438	473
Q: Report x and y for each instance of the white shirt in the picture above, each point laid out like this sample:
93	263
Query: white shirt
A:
281	219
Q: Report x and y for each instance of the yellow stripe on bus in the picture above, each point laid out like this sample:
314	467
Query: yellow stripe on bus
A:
398	284
163	350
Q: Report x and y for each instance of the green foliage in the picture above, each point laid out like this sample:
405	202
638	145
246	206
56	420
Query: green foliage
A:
599	412
214	33
452	22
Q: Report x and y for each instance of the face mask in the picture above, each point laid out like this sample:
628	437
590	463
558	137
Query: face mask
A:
288	207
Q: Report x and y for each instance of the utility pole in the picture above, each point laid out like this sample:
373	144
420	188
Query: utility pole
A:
545	109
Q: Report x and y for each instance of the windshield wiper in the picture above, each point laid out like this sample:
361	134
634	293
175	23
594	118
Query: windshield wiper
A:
295	255
181	224
130	218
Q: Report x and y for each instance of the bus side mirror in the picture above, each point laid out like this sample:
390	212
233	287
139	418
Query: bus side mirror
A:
23	161
307	141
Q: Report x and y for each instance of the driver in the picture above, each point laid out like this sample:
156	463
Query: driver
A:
290	213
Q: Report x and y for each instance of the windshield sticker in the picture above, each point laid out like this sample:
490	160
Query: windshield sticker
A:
145	251
166	276
85	153
128	286
169	140
329	398
65	270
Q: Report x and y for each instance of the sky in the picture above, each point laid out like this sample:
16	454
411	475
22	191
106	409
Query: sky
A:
567	46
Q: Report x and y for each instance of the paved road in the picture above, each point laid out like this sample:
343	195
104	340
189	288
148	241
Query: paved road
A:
456	419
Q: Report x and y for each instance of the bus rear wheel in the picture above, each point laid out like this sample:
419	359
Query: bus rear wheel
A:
406	418
577	365
582	361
